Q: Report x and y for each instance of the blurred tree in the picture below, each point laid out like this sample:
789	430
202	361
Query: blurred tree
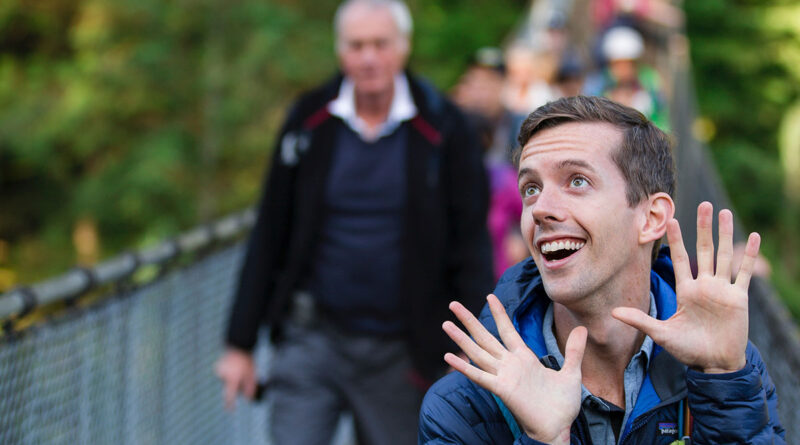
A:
125	121
745	58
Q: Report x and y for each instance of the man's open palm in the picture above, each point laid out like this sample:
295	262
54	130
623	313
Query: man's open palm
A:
708	331
543	400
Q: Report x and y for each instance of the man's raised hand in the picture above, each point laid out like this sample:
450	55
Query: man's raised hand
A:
544	401
708	331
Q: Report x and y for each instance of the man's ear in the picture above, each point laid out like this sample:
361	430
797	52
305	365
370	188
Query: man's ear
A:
658	210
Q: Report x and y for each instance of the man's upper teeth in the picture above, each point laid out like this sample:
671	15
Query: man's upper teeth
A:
561	245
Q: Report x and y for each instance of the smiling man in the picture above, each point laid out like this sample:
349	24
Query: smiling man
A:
604	339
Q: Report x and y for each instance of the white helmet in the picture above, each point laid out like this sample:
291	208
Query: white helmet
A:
622	43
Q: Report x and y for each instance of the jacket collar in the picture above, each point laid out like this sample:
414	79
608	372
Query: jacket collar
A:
429	103
402	109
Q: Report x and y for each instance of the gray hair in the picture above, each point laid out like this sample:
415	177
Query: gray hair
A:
398	9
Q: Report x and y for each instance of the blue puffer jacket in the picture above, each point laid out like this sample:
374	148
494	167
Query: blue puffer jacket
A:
739	407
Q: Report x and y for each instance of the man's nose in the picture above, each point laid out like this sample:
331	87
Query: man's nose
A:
368	53
549	207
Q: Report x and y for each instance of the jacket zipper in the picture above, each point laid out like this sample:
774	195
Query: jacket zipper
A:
644	418
638	424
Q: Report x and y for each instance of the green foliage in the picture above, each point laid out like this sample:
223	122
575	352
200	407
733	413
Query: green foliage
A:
147	117
448	34
744	56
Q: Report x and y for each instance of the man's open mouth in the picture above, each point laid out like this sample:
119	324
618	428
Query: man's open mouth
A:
560	249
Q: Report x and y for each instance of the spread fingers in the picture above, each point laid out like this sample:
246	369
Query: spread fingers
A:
482	337
483	359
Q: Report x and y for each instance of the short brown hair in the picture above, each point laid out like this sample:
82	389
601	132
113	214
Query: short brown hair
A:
644	157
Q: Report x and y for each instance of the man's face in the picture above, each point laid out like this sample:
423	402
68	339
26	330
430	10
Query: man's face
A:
371	49
480	90
623	71
576	220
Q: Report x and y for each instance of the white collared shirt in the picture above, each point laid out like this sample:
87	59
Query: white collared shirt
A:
401	110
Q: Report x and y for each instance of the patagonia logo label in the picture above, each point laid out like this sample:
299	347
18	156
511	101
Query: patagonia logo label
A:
667	428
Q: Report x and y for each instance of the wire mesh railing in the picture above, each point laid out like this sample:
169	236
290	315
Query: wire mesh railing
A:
134	368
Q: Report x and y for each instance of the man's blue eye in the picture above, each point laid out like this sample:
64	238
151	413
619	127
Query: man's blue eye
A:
531	190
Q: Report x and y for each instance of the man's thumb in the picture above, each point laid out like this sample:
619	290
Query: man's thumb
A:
638	319
576	345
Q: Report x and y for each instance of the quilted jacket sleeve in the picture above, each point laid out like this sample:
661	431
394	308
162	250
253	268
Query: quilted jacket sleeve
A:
455	411
739	407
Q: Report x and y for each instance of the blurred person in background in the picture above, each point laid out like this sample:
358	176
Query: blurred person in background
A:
478	94
373	218
569	78
529	72
479	91
505	206
626	79
664	13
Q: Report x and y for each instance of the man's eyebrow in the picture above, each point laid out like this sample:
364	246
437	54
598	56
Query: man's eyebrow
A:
575	163
561	165
524	172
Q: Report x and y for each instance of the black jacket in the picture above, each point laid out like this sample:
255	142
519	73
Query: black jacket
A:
445	246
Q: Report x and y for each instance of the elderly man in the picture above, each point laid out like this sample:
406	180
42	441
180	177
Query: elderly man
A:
372	218
608	341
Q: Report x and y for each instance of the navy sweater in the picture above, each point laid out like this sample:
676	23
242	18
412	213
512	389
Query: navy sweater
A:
355	276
